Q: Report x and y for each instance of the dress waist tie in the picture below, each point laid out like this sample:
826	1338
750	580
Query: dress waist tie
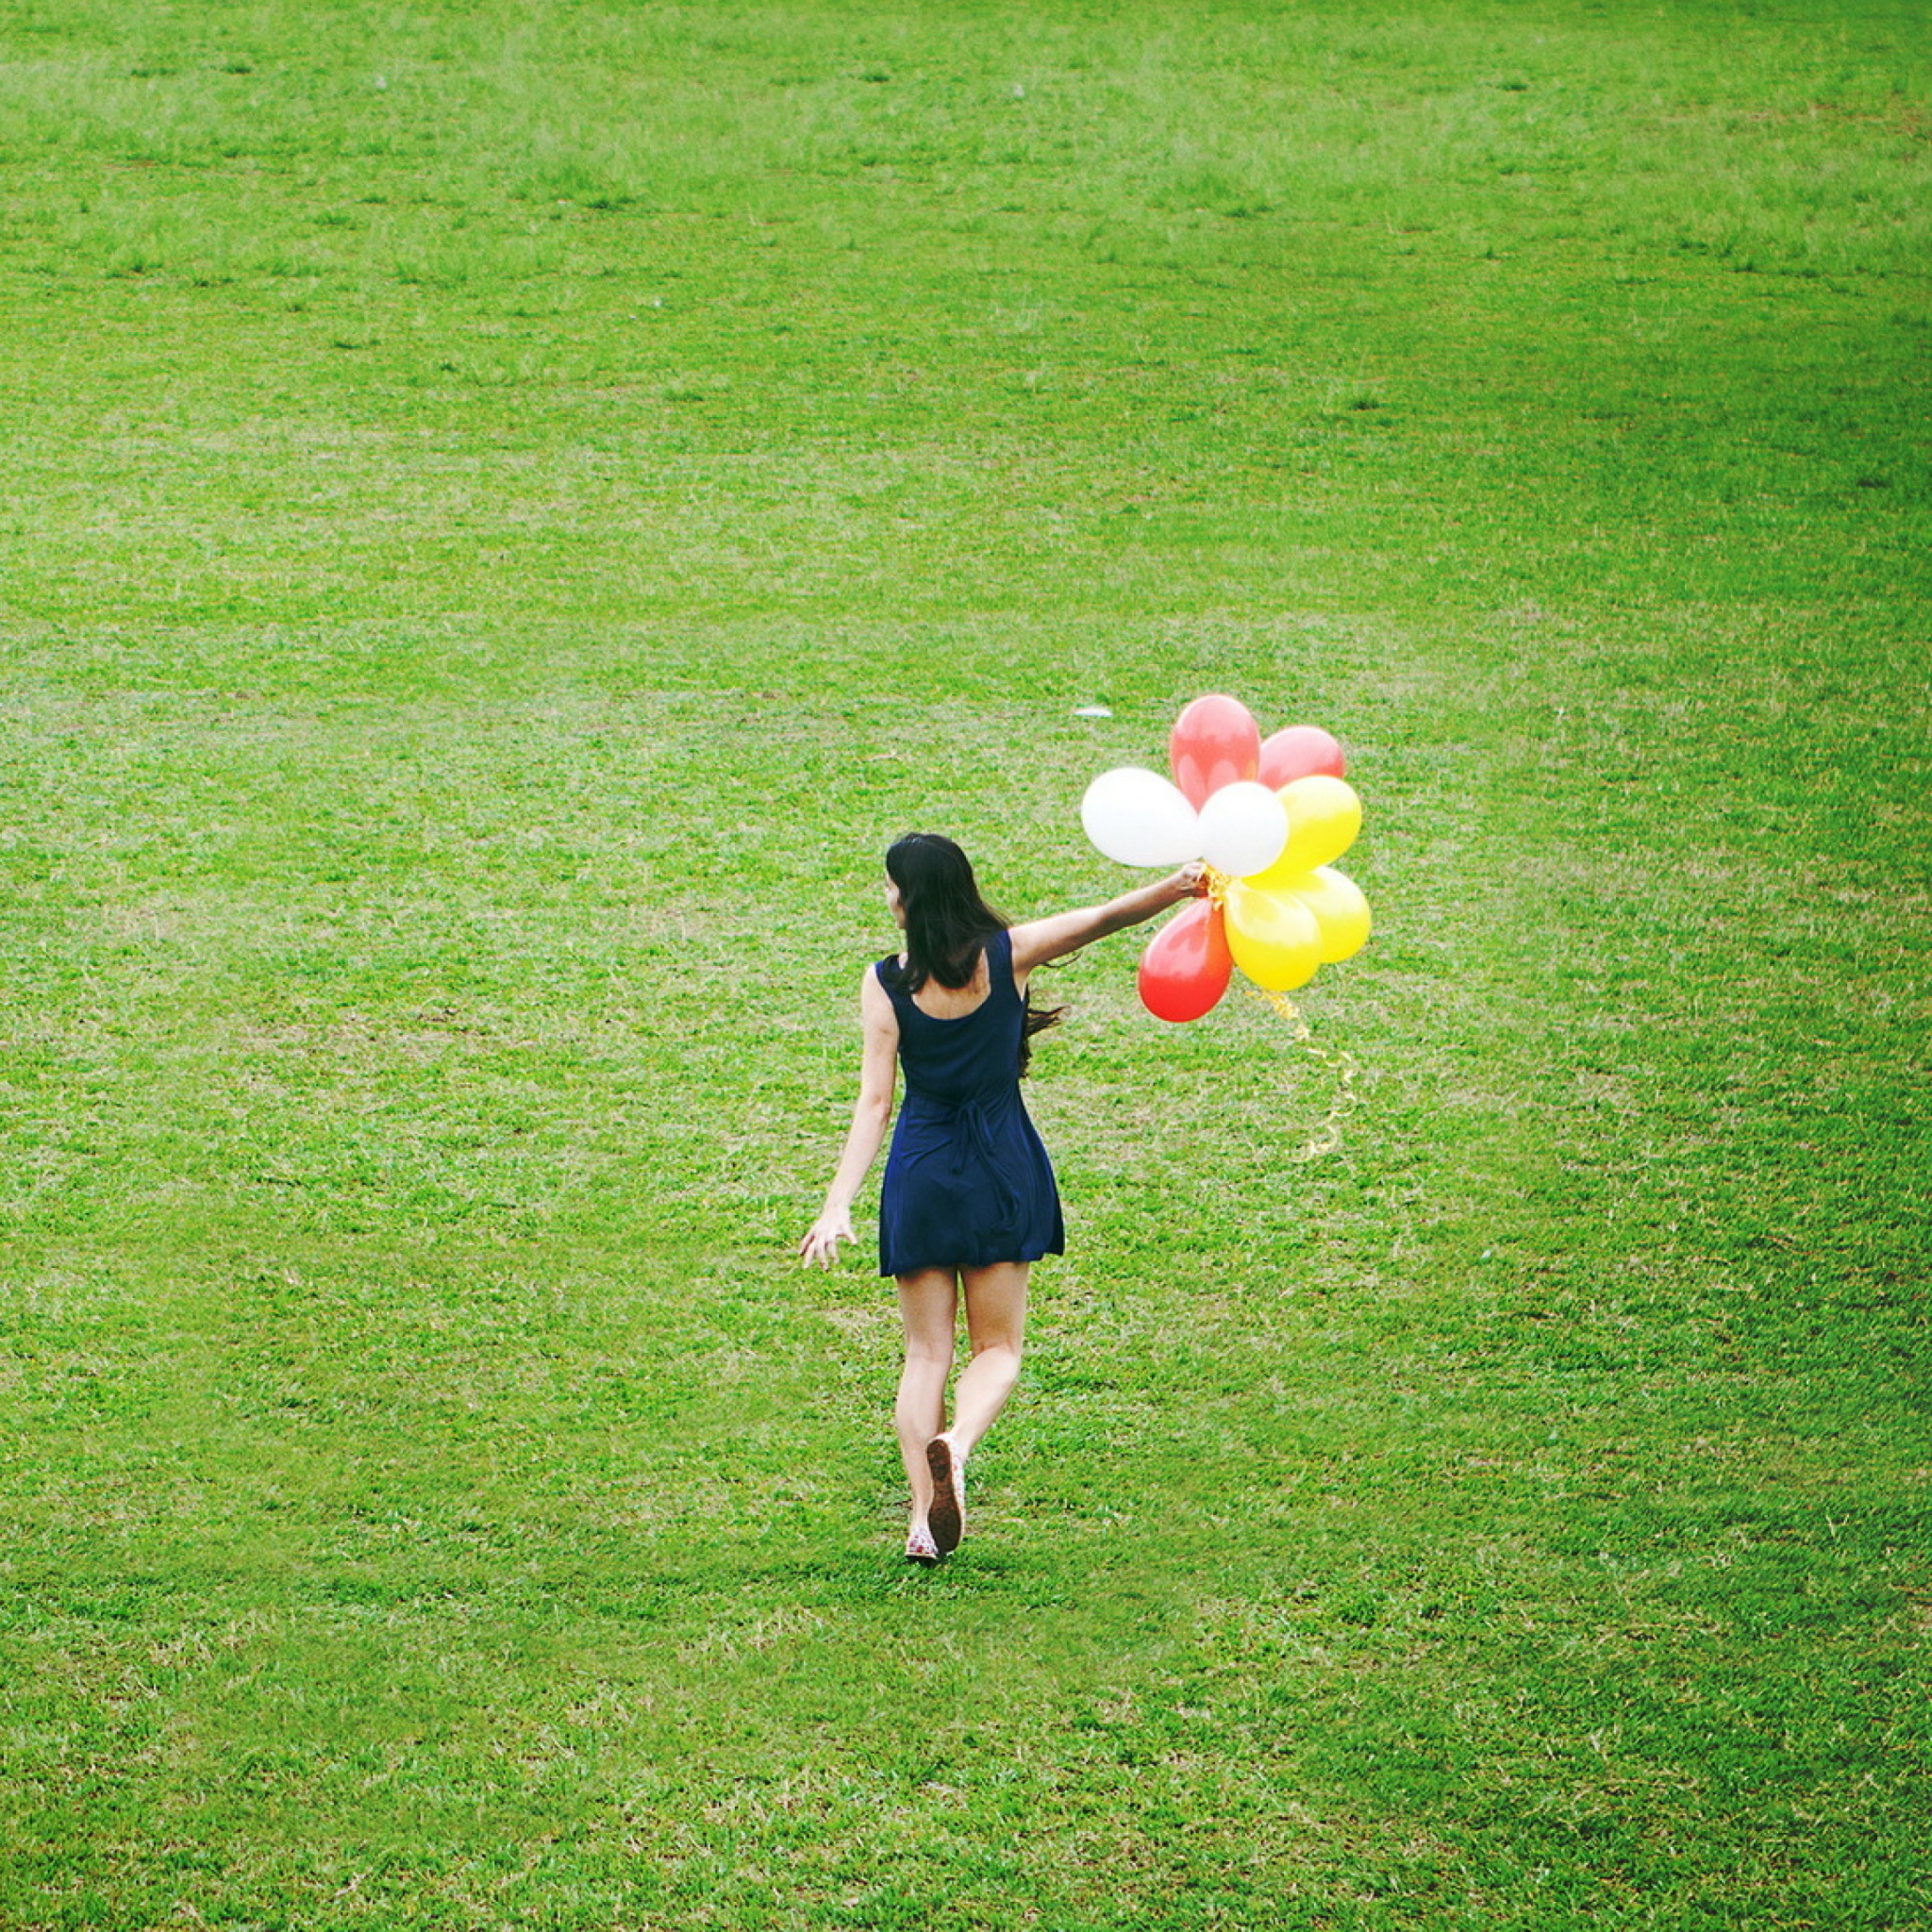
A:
974	1136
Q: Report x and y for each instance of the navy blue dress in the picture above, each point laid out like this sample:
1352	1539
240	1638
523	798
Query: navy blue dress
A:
967	1181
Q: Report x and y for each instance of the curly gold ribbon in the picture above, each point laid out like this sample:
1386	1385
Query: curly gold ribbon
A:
1328	1138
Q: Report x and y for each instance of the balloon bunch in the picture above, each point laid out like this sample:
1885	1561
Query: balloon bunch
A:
1268	818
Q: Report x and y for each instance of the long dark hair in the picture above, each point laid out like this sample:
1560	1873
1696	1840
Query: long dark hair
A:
947	923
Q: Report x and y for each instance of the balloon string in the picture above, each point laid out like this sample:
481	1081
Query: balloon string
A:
1328	1138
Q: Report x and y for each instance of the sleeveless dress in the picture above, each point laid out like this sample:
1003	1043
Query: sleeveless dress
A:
967	1181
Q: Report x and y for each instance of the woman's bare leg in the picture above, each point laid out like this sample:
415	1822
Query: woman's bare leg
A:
997	1326
929	1308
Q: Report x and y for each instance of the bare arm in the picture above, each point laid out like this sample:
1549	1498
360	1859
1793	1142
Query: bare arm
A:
1040	940
871	1115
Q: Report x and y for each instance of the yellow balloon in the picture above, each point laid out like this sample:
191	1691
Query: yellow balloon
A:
1274	938
1324	816
1339	910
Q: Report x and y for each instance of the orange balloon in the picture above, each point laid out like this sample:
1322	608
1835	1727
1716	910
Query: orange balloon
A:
1215	741
1299	752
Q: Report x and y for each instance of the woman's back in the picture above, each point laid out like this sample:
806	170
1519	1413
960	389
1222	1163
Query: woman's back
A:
967	1181
970	1055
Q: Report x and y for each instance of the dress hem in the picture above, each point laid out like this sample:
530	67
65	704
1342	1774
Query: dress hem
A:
993	1262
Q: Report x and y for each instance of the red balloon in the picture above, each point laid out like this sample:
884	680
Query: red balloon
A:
1215	741
1186	965
1299	752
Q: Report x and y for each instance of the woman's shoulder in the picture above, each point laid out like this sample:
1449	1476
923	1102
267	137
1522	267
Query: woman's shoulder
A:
880	995
999	957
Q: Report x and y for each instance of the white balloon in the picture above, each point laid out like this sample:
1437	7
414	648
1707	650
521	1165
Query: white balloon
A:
1243	828
1137	818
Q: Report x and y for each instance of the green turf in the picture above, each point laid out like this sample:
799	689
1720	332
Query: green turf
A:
504	511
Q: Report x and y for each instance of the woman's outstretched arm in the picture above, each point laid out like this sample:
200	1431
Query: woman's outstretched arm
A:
871	1116
1040	940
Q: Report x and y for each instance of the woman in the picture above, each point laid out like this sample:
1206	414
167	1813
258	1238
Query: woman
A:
969	1196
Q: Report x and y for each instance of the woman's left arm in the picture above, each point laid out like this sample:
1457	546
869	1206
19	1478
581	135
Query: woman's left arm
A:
1040	940
871	1116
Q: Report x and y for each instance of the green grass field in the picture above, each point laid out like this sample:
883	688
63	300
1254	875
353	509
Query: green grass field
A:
506	510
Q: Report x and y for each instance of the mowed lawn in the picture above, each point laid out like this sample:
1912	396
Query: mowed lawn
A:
505	510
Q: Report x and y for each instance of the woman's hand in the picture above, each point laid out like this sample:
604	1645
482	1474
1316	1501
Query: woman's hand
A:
822	1239
1190	882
